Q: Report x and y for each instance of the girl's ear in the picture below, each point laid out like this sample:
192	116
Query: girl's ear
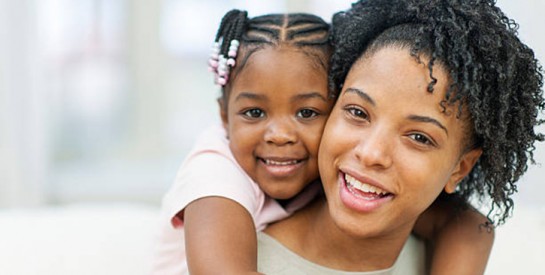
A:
464	166
223	112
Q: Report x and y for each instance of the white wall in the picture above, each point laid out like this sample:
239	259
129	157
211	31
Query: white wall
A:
23	131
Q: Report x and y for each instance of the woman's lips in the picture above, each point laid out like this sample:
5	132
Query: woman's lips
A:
361	196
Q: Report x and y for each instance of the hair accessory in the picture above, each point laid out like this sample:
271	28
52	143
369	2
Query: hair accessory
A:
214	57
233	48
213	63
221	81
221	64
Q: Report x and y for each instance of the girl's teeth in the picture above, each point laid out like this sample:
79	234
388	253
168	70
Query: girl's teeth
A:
364	187
272	162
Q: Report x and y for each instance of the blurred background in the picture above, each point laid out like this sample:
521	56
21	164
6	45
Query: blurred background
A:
100	100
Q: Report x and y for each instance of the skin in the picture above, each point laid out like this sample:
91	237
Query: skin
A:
387	131
274	118
457	238
274	126
266	116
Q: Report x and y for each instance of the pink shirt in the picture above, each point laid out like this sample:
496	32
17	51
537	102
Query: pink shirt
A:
210	169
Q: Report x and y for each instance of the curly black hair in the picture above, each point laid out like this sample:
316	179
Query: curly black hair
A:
493	75
307	32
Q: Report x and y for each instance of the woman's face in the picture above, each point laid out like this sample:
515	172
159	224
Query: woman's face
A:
389	148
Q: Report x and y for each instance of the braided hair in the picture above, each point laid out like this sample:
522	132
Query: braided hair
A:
307	32
493	75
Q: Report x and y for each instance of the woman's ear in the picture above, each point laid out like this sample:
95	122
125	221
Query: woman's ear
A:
464	166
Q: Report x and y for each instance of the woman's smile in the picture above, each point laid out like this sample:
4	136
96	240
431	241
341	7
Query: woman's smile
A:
362	195
400	150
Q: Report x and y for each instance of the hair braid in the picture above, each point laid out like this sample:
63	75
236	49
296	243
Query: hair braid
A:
304	31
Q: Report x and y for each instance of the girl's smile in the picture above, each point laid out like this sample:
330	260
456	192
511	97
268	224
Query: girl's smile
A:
275	114
281	167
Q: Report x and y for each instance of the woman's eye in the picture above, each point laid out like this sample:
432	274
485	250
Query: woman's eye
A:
420	138
357	112
254	113
307	113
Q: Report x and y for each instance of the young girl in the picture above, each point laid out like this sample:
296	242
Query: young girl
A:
259	166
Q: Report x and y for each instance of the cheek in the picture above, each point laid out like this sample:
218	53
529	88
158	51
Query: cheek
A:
337	132
242	139
330	146
310	134
313	137
424	177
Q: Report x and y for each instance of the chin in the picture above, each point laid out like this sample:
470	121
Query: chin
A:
280	193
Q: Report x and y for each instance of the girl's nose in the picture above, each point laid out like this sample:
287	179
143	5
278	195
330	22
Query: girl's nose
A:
281	132
375	149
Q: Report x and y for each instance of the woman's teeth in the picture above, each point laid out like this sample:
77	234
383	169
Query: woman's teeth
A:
364	187
272	162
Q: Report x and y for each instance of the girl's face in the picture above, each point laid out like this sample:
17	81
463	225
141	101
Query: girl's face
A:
388	148
275	115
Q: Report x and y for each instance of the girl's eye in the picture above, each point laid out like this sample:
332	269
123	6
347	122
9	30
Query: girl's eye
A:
357	113
307	113
254	113
420	138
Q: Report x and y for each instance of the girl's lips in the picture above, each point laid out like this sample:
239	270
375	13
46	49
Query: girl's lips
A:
281	167
360	201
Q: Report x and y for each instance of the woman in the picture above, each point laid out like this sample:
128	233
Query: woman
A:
436	98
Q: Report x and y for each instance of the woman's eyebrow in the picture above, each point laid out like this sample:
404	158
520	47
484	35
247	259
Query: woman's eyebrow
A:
427	119
361	94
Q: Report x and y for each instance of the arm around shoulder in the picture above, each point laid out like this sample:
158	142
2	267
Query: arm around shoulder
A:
220	237
461	241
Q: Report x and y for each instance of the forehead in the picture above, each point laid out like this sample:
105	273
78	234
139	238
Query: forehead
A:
395	70
398	81
280	69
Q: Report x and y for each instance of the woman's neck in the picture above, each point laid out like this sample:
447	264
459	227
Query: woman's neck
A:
312	234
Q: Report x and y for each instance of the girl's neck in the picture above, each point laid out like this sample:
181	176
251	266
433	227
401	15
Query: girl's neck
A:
312	234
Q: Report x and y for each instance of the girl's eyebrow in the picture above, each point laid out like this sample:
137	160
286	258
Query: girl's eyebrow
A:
249	95
361	94
427	119
308	95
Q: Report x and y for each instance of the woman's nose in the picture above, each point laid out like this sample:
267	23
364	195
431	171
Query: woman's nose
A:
281	132
375	149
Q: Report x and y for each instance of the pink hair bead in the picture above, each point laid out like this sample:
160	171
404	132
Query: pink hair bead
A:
216	47
213	63
231	62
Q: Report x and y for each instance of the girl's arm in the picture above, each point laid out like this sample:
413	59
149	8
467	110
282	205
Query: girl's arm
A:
460	243
220	237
